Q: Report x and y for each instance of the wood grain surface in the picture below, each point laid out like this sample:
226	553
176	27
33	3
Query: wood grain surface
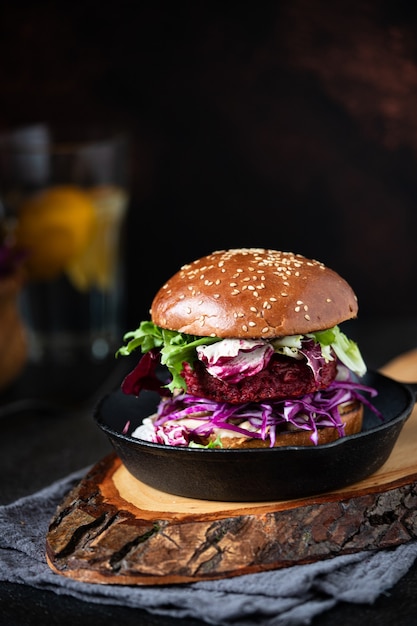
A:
112	528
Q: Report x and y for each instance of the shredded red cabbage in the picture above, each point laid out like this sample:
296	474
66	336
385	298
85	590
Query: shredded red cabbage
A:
309	412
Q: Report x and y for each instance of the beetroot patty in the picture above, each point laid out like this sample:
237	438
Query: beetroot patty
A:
284	377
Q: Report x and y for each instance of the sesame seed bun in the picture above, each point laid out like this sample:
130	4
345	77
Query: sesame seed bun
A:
252	293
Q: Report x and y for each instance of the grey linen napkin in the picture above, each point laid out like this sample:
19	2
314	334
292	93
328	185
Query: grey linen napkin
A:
282	597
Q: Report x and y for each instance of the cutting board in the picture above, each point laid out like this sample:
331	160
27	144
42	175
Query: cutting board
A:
112	528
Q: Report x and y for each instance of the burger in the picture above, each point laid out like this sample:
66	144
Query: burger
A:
244	348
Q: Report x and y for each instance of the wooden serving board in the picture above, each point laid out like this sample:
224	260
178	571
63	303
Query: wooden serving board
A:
112	528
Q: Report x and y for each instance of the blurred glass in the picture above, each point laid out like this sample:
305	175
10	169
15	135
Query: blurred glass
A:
66	201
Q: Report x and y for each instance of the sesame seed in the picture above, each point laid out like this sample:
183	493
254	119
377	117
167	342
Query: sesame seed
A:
297	309
307	317
235	292
245	328
265	329
254	309
252	324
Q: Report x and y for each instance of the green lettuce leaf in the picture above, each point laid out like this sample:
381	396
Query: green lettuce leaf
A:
346	349
176	348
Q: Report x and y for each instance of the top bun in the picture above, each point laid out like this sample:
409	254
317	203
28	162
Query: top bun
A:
252	293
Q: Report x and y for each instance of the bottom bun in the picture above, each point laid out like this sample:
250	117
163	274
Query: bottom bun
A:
351	415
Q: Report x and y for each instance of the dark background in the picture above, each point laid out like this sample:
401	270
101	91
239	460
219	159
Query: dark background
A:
290	125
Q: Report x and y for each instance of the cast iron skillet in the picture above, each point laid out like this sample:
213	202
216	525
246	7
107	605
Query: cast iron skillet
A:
254	475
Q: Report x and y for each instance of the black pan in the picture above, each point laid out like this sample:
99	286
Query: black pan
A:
254	475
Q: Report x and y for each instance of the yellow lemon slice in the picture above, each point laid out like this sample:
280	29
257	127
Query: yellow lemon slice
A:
54	226
97	265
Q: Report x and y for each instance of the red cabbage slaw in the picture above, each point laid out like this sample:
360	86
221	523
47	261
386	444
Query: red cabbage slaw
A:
309	412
